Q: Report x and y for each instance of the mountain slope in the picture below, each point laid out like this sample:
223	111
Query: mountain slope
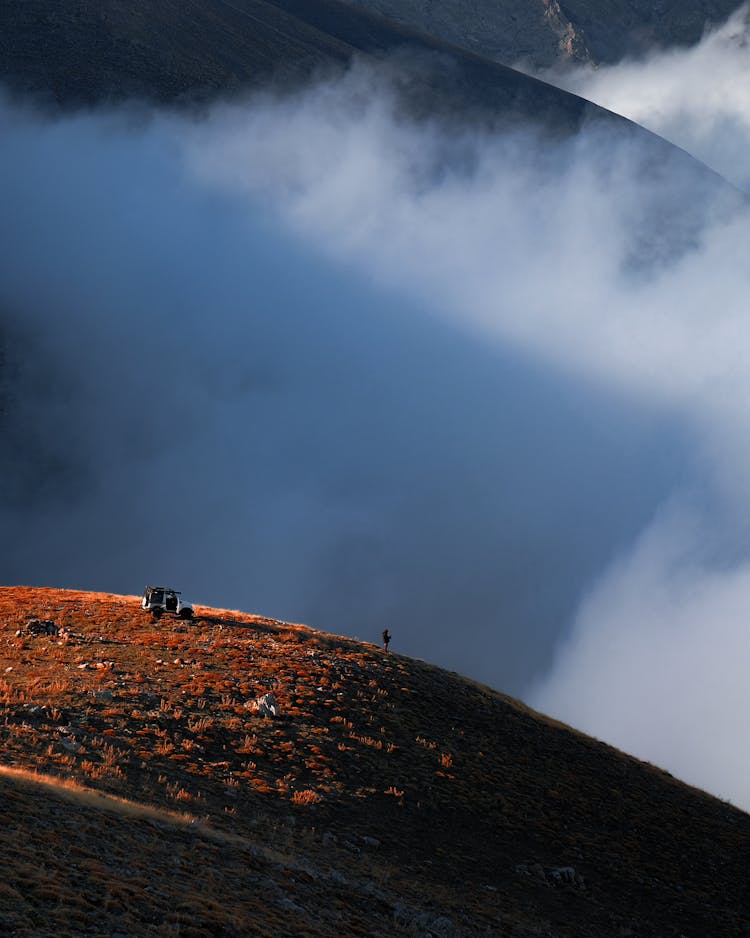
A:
386	794
79	54
546	33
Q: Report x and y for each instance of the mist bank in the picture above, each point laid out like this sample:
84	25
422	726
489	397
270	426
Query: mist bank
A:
307	357
203	393
623	273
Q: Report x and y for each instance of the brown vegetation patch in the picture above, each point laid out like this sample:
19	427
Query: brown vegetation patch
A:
383	777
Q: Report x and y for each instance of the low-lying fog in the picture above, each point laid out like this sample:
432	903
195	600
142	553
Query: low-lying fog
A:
302	358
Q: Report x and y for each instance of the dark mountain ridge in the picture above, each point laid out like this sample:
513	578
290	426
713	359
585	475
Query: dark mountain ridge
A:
544	33
183	54
81	54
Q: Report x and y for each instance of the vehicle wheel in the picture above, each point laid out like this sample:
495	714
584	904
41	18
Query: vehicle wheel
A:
156	613
186	613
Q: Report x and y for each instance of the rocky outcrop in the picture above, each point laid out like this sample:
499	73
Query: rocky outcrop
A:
570	43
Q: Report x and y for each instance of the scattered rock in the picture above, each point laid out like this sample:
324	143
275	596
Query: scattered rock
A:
424	923
350	841
41	713
289	906
552	875
563	875
266	706
267	885
40	627
441	926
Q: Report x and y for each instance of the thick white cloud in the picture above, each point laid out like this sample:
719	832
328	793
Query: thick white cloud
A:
657	662
588	256
536	250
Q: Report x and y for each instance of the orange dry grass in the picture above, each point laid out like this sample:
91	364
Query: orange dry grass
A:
135	701
451	779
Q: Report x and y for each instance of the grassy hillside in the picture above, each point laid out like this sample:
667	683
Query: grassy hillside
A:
388	797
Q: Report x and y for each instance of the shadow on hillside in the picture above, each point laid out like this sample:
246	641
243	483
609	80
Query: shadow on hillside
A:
286	631
268	627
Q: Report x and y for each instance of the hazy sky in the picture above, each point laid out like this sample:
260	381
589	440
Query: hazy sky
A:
301	358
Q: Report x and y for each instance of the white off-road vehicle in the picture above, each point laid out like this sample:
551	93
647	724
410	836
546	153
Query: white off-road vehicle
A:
160	599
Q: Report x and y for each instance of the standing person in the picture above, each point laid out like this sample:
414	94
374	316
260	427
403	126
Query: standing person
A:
386	639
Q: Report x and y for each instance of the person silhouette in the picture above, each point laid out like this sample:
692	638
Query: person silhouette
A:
386	639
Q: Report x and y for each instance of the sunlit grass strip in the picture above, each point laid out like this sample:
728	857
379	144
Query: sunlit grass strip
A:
73	791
